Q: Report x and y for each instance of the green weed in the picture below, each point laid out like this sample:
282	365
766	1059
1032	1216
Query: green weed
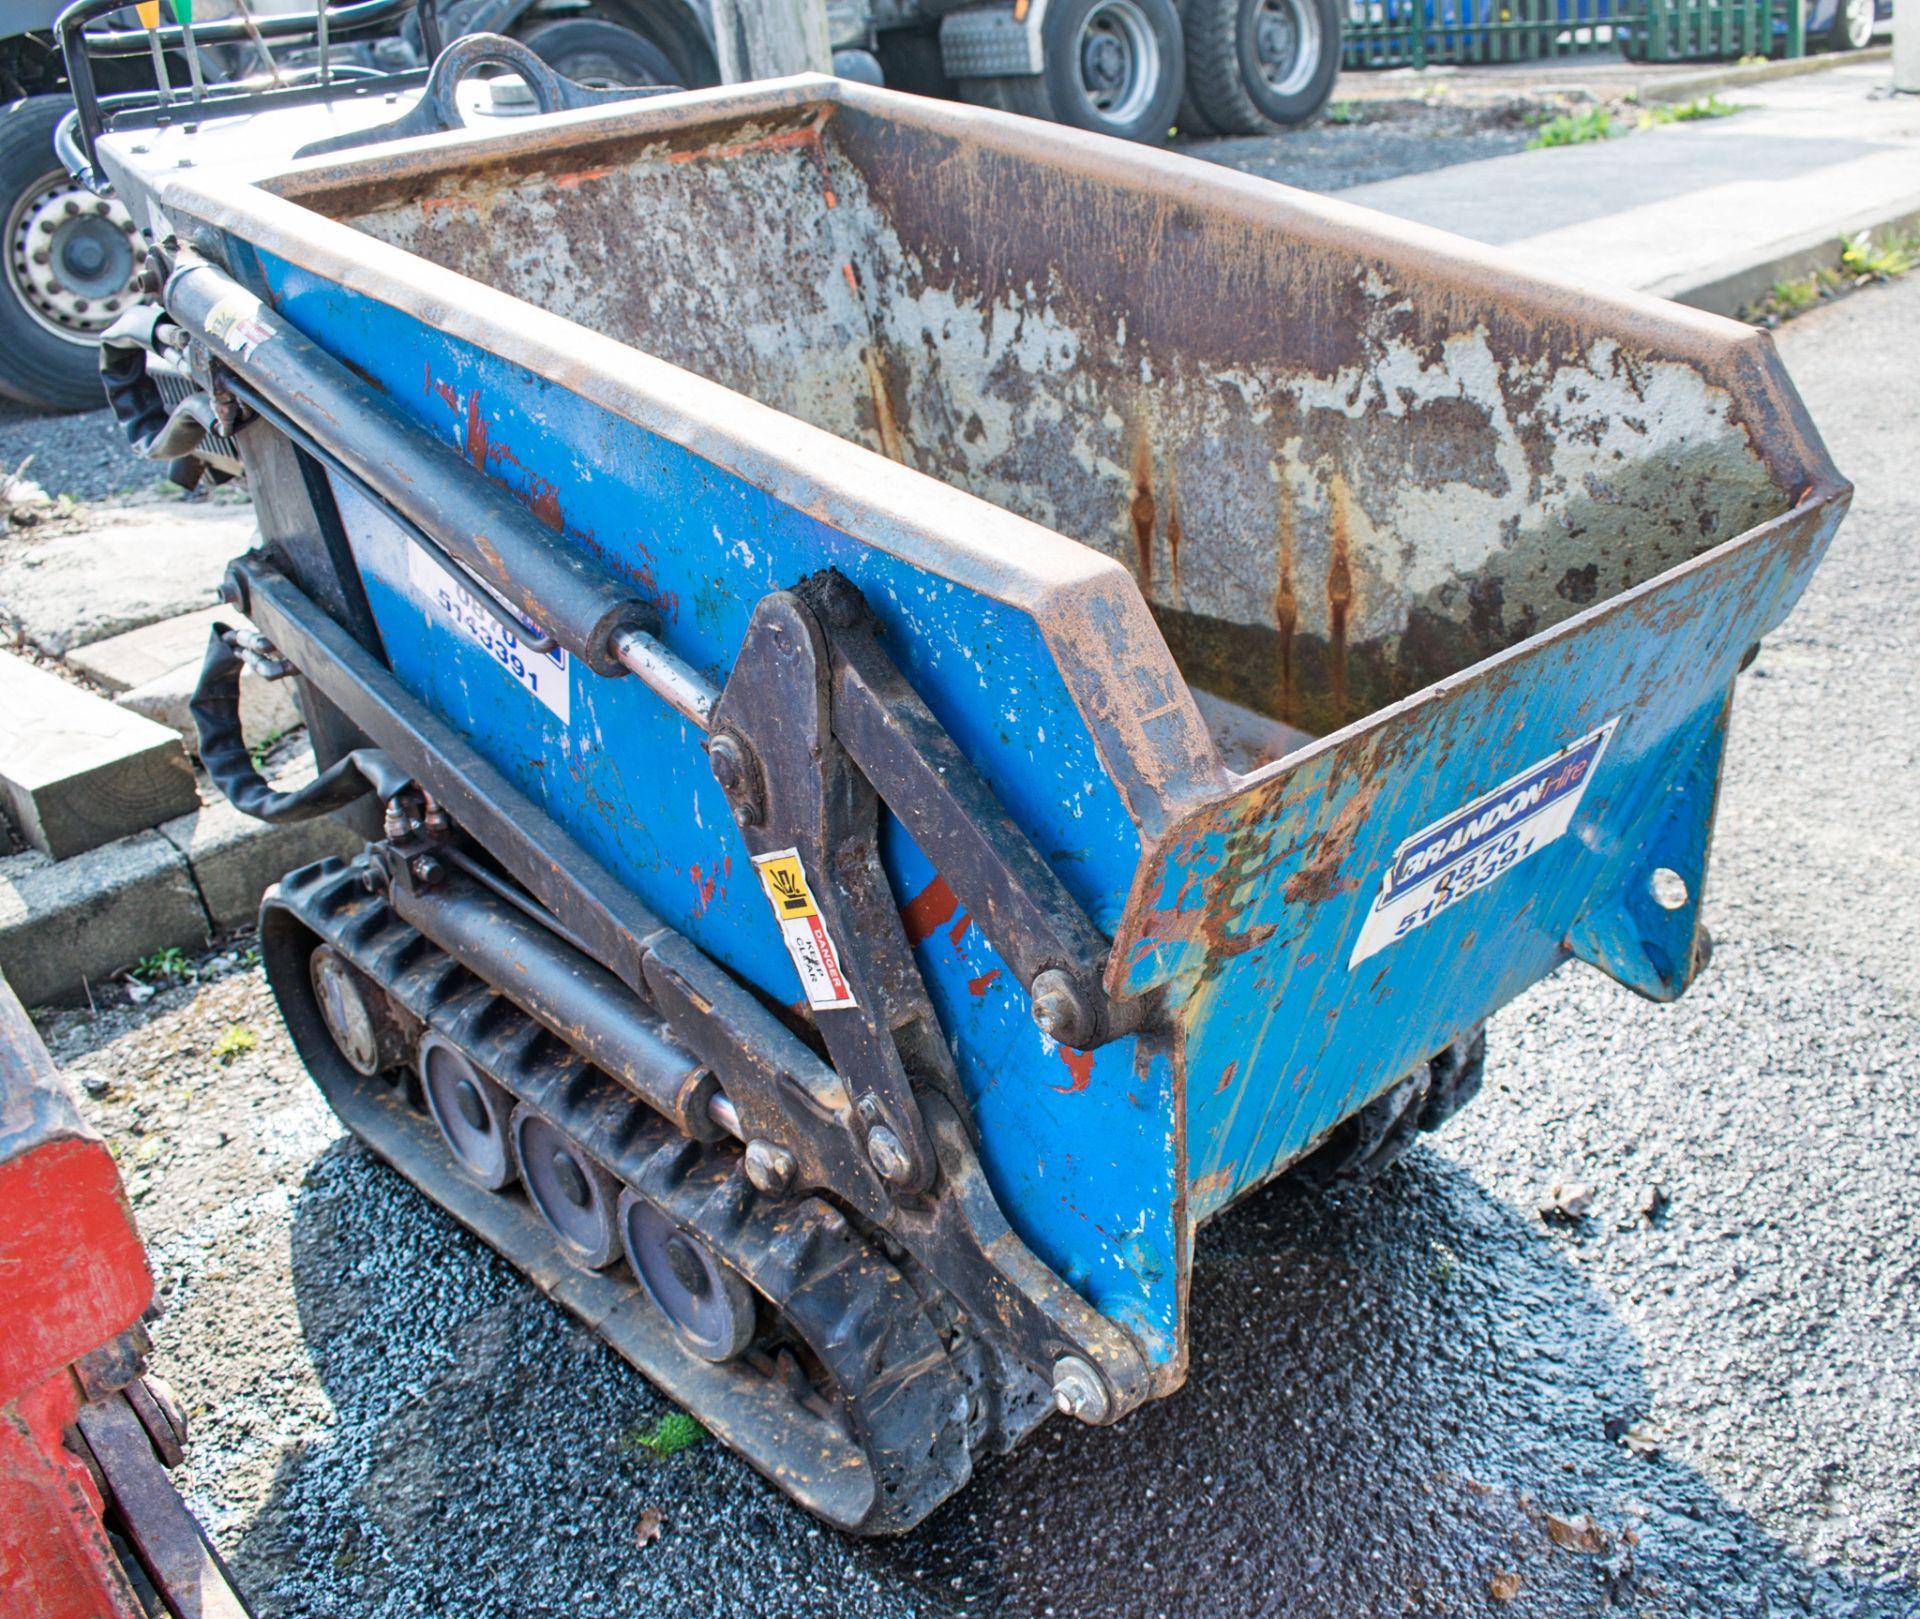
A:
1573	129
258	751
1346	112
162	965
1859	257
673	1433
1688	112
236	1042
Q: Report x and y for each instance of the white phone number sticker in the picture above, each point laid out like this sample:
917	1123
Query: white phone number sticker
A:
1461	853
542	673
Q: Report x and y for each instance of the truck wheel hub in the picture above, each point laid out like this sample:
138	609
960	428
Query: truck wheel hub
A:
71	258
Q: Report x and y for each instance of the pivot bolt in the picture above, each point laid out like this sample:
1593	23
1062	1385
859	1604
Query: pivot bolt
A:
770	1167
1060	1011
427	869
733	767
1078	1391
887	1155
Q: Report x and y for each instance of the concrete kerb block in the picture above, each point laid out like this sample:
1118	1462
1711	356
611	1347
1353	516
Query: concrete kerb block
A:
65	924
69	924
235	859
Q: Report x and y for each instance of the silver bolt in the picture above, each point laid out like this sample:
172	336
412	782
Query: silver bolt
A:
888	1157
770	1167
1059	1010
1077	1390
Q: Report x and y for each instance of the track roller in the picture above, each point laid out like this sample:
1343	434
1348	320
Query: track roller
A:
471	1110
708	1303
574	1195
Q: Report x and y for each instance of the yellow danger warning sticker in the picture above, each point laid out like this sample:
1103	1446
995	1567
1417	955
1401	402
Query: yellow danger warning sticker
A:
815	957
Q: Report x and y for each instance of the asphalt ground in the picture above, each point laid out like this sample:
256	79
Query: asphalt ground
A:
1702	1397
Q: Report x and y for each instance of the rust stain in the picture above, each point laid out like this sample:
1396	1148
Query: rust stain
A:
430	205
1286	608
1174	531
1140	512
884	417
1080	1066
1219	1180
1226	1076
703	886
1319	877
925	912
979	986
1339	595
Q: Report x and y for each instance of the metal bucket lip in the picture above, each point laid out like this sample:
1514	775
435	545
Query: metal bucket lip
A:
1087	606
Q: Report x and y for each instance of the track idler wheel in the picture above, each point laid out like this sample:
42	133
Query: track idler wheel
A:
473	1112
574	1195
710	1306
357	1014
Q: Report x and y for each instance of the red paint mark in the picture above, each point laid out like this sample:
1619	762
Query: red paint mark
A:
807	139
959	930
544	500
702	886
430	205
579	177
928	909
447	396
1080	1065
476	433
853	278
1226	1077
980	985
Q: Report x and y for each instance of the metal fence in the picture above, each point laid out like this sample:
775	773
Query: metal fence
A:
1414	33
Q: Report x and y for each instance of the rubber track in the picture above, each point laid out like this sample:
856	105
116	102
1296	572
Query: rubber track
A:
908	1395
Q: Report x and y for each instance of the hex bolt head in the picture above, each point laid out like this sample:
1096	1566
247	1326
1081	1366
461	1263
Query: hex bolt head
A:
427	870
1059	1011
770	1167
887	1155
1078	1391
732	766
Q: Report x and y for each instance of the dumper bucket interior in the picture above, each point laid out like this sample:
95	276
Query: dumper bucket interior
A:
1334	481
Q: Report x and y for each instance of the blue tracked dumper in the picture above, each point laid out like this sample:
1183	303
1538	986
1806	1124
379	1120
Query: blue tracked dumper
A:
934	699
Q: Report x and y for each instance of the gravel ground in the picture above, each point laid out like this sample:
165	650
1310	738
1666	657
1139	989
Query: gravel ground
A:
1386	139
83	456
1391	1390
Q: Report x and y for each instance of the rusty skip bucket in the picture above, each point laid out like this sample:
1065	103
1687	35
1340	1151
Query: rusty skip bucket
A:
1110	671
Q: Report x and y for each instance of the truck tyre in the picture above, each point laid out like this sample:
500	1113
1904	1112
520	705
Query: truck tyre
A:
1116	67
599	54
70	260
1257	65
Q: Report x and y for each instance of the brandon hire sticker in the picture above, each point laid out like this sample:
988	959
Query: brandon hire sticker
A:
804	929
1460	853
542	673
